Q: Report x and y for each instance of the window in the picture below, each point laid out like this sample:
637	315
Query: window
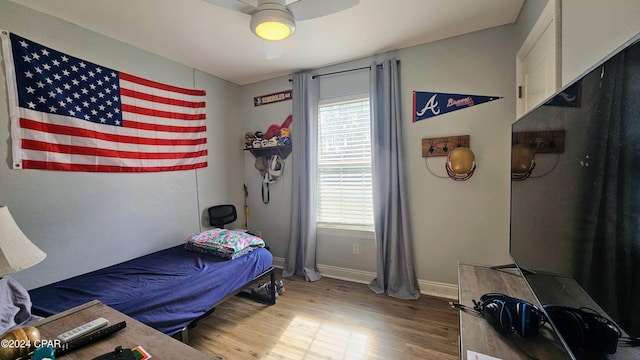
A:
344	165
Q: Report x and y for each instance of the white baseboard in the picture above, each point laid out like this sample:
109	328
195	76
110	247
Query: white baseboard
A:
438	289
430	288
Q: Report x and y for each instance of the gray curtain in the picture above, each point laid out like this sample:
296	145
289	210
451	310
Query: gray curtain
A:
395	274
301	254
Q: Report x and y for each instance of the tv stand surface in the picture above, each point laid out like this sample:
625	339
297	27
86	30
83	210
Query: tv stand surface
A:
511	267
504	266
477	335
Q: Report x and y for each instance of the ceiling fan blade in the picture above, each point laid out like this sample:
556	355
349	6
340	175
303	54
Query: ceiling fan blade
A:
272	49
236	5
309	9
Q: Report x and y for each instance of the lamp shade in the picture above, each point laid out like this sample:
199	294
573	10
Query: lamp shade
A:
17	252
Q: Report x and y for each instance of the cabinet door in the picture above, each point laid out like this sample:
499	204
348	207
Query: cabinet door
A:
538	61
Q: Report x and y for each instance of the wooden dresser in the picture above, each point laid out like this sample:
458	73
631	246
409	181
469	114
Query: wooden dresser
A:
159	345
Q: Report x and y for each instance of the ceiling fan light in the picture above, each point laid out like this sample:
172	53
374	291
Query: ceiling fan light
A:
272	30
272	24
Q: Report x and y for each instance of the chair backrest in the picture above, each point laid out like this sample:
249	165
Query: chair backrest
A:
220	215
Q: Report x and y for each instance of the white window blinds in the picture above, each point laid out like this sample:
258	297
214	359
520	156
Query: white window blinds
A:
344	164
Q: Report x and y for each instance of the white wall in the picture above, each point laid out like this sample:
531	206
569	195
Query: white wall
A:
461	221
85	221
221	181
592	29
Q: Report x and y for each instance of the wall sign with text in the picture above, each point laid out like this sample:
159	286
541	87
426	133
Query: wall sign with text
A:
272	98
430	104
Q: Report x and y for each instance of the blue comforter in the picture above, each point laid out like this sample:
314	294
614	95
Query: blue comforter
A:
165	290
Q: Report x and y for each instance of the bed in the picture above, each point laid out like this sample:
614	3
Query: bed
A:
168	290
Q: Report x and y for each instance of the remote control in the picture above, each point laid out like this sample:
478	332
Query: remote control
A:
90	338
83	329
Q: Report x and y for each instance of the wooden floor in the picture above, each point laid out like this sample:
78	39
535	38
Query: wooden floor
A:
329	319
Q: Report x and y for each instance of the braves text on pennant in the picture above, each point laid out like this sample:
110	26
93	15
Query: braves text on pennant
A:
70	114
428	104
272	98
468	101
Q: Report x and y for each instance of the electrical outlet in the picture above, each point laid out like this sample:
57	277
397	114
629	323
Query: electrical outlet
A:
259	234
356	248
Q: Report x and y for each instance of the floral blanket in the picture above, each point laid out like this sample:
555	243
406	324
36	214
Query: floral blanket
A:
228	244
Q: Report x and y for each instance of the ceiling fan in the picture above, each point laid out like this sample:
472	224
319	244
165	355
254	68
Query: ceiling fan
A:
274	20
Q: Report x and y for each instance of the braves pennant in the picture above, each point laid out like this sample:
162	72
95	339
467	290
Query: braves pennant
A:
430	104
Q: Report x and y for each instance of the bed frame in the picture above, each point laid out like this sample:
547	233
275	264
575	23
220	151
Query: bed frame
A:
245	291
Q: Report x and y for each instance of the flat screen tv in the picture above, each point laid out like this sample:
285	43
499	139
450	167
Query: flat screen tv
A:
575	214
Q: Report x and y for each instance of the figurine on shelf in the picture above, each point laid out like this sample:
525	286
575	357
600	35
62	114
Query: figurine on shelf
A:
285	136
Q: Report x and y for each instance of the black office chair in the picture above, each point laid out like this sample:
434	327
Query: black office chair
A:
221	215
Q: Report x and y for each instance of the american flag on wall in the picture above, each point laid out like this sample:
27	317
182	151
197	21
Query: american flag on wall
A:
73	115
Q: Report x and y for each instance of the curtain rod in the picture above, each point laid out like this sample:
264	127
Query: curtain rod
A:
343	71
338	72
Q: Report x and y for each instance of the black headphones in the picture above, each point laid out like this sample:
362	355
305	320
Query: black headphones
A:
508	315
584	330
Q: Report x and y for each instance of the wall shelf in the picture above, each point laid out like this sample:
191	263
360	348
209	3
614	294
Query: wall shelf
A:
268	151
442	146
